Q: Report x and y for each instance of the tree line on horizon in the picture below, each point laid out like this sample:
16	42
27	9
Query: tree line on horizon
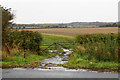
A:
64	25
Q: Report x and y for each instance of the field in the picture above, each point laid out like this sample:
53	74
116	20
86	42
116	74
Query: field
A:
77	31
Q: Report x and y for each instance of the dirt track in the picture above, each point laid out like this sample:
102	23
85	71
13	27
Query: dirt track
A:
76	31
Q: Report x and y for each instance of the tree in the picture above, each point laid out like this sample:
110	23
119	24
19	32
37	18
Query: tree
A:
7	18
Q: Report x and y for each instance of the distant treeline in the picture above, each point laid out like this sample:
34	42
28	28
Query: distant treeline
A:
65	25
109	25
33	26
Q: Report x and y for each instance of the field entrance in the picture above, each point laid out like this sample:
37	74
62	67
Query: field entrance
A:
59	47
62	51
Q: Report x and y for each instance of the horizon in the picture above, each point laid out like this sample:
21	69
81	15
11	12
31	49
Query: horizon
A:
64	23
62	11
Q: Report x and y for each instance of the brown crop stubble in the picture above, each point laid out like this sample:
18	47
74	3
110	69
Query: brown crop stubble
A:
77	31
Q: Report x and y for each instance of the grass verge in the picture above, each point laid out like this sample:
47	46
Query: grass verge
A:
96	51
77	62
18	60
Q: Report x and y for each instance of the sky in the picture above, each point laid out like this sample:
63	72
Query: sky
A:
62	11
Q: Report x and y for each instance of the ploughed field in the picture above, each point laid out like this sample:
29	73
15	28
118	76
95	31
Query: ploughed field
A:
77	31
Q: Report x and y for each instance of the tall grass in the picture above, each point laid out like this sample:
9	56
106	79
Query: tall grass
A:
95	51
102	47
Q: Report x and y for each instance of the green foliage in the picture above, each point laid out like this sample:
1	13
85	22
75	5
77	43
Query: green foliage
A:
7	16
79	62
18	60
118	24
96	51
102	47
25	40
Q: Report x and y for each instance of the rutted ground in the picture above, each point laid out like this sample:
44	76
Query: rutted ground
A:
57	61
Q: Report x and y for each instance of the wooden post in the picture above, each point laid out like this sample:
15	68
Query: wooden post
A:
38	50
55	45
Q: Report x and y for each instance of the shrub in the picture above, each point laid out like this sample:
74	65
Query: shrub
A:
26	40
102	47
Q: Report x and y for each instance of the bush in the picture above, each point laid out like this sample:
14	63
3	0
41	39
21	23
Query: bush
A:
26	40
102	47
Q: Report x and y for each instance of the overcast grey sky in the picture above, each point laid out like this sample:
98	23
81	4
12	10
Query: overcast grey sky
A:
62	11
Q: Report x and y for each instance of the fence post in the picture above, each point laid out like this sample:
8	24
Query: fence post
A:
55	45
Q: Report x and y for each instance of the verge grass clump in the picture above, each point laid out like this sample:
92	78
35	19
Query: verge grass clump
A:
95	51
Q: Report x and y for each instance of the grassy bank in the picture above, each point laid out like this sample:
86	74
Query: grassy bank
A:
18	60
96	52
77	62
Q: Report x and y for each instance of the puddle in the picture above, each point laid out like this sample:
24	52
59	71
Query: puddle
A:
60	68
55	63
55	60
56	68
52	63
19	69
51	51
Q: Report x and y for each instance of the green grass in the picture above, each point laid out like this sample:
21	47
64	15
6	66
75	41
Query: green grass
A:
49	39
102	47
77	62
18	60
33	60
95	51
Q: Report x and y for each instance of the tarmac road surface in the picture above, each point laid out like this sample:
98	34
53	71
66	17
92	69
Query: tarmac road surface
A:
51	73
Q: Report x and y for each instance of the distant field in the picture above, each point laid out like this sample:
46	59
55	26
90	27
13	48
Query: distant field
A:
76	31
